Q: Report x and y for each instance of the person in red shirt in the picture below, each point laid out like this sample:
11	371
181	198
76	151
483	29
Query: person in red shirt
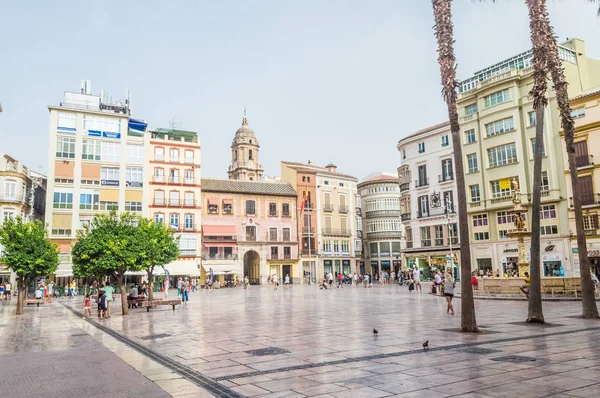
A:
340	280
474	281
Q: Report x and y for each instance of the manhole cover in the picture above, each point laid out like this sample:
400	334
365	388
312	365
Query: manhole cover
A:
477	350
261	352
155	336
514	359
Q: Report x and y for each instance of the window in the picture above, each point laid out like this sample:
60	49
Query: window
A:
470	136
104	205
533	148
159	175
174	155
250	207
579	112
111	151
89	200
475	193
481	236
110	174
10	189
423	206
345	246
159	218
133	206
532	118
66	121
445	140
425	236
174	198
548	230
272	233
174	221
502	234
422	170
61	232
159	154
500	126
159	198
505	217
439	235
285	209
227	208
286	234
409	237
135	154
336	246
65	147
189	222
187	246
134	176
453	234
502	155
341	184
502	188
548	212
327	246
447	173
497	98
63	200
449	202
274	252
590	222
100	123
189	156
250	233
421	147
249	154
470	109
287	252
480	220
472	163
91	149
325	182
545	181
272	209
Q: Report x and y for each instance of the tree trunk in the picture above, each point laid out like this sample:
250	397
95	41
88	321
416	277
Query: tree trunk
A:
121	282
589	308
538	92
442	11
21	295
150	283
534	312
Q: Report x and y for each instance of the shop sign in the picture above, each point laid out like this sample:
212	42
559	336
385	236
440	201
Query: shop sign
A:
109	134
374	263
505	183
385	263
94	133
515	250
134	184
396	263
346	262
575	250
109	183
549	248
327	263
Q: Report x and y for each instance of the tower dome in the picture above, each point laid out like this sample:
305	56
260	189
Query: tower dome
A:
245	163
245	134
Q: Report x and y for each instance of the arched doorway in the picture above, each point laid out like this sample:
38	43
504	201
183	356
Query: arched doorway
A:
252	267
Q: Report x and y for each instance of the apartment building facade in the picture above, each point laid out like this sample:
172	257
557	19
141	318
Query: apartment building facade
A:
497	123
586	112
95	164
428	198
335	202
380	198
173	174
249	228
22	194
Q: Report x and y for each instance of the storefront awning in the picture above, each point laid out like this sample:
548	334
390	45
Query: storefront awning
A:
157	271
183	268
219	230
227	201
219	244
214	202
221	269
64	270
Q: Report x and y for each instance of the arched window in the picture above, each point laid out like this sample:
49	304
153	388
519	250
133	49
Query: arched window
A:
249	154
303	179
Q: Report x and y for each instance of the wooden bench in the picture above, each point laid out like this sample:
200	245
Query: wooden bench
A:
157	302
38	302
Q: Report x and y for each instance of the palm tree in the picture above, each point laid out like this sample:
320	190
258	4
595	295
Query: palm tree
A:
589	309
442	12
538	92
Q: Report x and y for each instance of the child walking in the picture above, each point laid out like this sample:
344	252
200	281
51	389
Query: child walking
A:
87	306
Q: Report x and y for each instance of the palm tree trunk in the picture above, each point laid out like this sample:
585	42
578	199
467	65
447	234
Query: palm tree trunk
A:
589	308
442	12
538	92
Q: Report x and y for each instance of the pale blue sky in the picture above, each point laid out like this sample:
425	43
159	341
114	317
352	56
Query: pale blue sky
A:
324	80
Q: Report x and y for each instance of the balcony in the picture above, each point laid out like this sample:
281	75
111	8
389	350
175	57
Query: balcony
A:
405	217
357	253
174	159
409	244
307	230
475	204
421	183
384	234
175	180
588	199
380	213
219	257
189	160
175	202
187	252
285	214
250	238
159	202
313	252
343	209
359	234
159	158
582	161
273	256
272	214
175	228
159	179
189	203
503	199
12	198
336	232
358	211
327	207
426	242
445	178
287	256
405	186
189	228
591	232
188	181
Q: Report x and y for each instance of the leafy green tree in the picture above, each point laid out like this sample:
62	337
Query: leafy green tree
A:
27	252
112	247
159	247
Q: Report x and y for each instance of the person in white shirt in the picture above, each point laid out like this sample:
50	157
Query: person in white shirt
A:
438	283
274	279
417	279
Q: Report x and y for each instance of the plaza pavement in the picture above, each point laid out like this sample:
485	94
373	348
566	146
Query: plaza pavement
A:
310	342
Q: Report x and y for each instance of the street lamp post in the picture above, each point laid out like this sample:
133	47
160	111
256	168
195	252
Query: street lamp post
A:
449	213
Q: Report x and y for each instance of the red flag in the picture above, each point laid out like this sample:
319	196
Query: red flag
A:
304	200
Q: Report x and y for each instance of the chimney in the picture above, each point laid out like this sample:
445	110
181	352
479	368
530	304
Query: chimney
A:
309	162
102	96
332	168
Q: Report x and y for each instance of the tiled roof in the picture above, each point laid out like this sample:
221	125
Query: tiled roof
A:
380	177
249	187
310	168
425	130
587	93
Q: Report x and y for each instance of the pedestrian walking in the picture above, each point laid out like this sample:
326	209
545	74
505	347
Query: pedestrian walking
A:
1	291
330	279
166	286
525	287
185	288
87	306
108	292
416	274
275	282
179	283
286	281
246	283
340	280
102	307
449	291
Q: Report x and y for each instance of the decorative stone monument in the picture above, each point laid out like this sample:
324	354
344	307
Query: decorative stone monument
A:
520	231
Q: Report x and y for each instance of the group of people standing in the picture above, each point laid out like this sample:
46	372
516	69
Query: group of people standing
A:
5	291
441	283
